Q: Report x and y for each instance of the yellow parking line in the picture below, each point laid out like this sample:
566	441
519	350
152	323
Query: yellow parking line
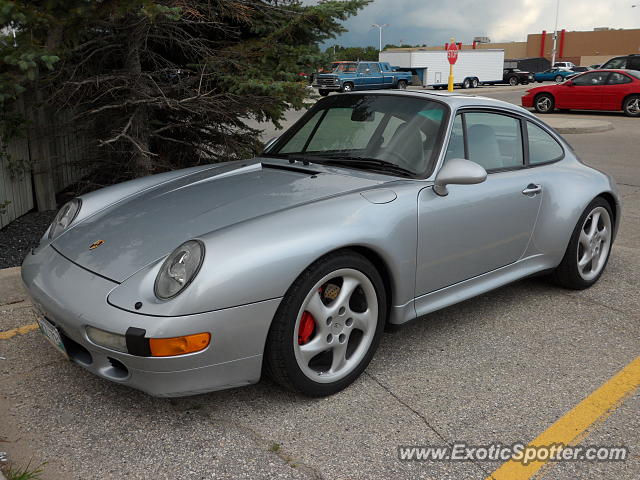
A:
572	427
18	331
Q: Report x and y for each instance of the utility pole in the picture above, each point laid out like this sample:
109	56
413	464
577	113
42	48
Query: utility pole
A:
555	34
380	27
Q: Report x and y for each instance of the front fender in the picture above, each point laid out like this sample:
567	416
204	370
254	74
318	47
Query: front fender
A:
260	258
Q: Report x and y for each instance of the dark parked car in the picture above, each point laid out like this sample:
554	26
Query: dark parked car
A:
514	76
630	62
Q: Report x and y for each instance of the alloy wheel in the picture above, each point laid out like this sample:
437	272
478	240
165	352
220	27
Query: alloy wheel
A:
543	103
594	243
633	107
336	325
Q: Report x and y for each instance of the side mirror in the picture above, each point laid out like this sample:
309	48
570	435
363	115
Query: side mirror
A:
458	171
368	70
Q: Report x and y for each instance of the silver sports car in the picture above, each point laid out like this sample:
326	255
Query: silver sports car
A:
374	209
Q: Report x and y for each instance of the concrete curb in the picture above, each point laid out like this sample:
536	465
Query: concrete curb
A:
2	477
572	125
11	290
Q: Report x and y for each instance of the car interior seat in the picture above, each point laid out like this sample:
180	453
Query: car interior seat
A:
484	148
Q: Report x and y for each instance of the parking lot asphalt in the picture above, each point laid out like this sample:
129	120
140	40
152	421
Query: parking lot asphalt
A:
502	367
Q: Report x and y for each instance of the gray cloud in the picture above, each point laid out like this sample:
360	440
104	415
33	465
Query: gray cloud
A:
434	22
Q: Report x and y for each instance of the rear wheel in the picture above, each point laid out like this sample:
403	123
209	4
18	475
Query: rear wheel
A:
559	79
544	103
324	93
588	251
328	325
466	83
631	106
347	87
475	83
402	84
513	81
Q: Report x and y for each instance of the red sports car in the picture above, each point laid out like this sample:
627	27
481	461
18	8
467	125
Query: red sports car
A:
594	90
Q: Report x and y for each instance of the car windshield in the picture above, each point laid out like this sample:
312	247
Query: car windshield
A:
634	73
401	135
620	62
346	67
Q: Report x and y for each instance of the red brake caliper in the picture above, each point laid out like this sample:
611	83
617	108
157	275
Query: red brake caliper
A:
306	329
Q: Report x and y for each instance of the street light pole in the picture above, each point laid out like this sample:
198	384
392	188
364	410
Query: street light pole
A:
555	34
380	27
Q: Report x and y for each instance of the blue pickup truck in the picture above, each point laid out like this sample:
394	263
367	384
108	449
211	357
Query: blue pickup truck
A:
349	76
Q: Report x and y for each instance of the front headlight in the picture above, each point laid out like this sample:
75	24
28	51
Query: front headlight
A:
65	216
179	269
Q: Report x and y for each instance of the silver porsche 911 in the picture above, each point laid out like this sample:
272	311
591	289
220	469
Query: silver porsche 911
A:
373	209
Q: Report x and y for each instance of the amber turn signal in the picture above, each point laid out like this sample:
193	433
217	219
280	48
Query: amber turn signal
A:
170	347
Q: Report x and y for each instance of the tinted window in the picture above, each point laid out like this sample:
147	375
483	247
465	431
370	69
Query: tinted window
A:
618	79
494	141
591	79
403	131
542	146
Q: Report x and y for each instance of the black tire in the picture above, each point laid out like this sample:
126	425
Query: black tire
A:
544	106
631	106
402	85
539	81
513	81
279	359
437	87
566	274
466	83
559	79
475	83
347	87
323	92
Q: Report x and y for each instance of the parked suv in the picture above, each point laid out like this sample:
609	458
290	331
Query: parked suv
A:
564	65
630	62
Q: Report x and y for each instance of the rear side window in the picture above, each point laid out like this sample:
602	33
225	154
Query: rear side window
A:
618	79
591	79
375	68
543	148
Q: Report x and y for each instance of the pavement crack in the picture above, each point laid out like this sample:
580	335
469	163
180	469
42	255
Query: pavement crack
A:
268	445
424	419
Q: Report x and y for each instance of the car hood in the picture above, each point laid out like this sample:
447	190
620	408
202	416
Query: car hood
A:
147	226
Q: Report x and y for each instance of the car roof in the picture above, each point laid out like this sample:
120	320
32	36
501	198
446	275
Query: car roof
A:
454	100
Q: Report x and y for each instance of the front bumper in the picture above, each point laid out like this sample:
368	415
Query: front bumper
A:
326	87
73	298
527	101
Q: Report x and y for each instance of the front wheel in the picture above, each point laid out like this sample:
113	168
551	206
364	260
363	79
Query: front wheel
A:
402	85
475	83
513	81
544	103
347	87
588	251
328	325
631	106
466	83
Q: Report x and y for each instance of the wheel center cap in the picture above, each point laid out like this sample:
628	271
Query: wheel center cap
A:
336	328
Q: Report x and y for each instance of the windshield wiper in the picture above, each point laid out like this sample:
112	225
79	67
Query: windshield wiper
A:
368	164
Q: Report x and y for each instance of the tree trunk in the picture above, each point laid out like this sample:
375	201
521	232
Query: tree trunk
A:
139	131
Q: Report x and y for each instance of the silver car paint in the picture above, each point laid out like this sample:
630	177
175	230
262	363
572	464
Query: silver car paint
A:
255	252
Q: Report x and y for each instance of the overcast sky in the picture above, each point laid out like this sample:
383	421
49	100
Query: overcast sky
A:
433	22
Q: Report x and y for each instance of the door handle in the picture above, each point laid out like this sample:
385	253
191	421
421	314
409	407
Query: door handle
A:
532	190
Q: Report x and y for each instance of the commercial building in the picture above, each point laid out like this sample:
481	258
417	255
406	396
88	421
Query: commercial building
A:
582	48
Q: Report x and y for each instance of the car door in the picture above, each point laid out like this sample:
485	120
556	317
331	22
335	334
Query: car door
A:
478	228
585	92
617	88
374	76
361	80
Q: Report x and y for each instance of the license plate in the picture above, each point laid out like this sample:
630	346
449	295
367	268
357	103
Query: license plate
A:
52	334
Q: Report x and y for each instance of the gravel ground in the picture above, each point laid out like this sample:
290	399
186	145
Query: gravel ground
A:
20	236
